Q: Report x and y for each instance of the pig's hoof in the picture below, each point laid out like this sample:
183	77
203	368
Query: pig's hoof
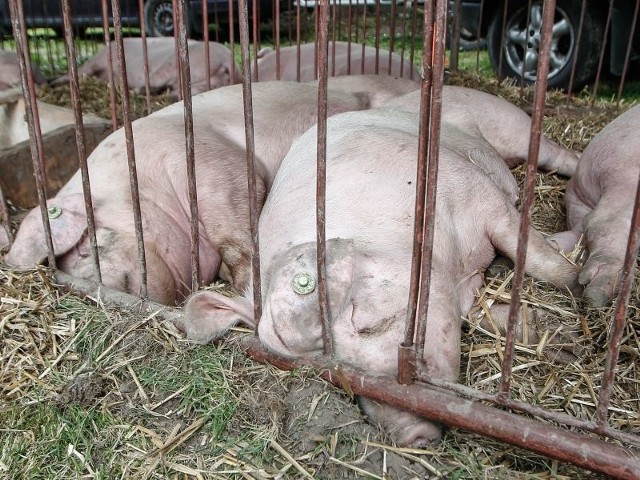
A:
601	281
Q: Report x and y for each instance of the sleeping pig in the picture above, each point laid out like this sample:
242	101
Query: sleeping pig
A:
163	74
599	201
371	169
282	111
344	59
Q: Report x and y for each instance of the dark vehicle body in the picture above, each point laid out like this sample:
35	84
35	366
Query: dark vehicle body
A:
515	53
158	14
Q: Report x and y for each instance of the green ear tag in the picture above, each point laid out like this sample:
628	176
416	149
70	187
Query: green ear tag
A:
303	283
54	211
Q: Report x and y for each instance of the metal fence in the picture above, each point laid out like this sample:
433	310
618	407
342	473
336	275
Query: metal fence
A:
593	444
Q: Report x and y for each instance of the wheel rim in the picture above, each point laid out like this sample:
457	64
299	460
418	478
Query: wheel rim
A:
522	41
163	18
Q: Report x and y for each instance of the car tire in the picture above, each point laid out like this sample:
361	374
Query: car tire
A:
519	52
158	18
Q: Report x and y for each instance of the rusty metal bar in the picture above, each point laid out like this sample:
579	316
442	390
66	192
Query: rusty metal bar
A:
577	50
530	182
504	24
145	56
298	41
414	27
421	174
478	35
596	84
558	417
185	74
403	29
622	304
254	19
323	48
349	16
205	37
107	42
524	54
392	37
254	210
433	161
33	120
555	442
177	48
454	37
131	156
333	42
232	44
627	56
80	139
377	38
364	35
276	26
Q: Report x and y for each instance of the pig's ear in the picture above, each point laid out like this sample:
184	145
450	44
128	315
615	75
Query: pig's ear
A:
68	221
208	315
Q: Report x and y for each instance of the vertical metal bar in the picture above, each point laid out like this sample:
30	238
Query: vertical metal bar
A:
364	35
627	56
80	139
454	37
478	36
530	183
596	84
504	24
622	304
254	211
377	41
107	42
403	29
323	46
349	19
131	157
254	19
392	36
414	26
577	50
205	34
432	170
145	56
298	41
177	47
33	120
277	41
185	74
521	80
232	43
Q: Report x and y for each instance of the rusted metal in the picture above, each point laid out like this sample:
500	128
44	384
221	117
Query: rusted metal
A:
80	137
521	81
574	64
478	35
504	25
107	43
185	74
433	162
256	73
131	156
323	50
350	19
298	41
622	304
392	37
627	57
145	56
205	37
555	442
454	38
364	35
232	43
607	26
254	210
33	120
377	38
403	35
542	72
421	175
406	365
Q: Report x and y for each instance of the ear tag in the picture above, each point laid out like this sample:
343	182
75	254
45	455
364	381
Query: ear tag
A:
54	212
303	283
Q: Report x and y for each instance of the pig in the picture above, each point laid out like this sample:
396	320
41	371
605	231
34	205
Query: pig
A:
282	110
599	201
10	71
371	168
341	62
504	125
163	74
13	125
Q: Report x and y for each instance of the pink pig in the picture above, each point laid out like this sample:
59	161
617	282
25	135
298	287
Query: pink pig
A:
343	58
371	168
163	72
10	71
282	111
599	201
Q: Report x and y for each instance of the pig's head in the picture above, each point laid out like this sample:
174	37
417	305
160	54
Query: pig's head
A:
364	332
117	250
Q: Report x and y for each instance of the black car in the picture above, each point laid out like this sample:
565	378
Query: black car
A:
514	51
158	14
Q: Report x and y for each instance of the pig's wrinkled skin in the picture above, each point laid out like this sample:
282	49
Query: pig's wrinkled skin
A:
340	62
163	74
10	71
369	229
501	123
282	111
599	201
13	125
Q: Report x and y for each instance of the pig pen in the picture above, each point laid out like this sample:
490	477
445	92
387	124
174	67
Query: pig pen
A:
130	397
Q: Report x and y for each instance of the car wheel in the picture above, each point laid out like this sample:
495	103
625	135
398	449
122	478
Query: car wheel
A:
158	17
515	54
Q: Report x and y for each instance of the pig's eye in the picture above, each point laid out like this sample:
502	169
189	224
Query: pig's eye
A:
303	283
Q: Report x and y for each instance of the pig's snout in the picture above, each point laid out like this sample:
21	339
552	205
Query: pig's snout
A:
423	434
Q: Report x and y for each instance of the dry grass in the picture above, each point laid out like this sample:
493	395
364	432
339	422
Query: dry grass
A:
94	391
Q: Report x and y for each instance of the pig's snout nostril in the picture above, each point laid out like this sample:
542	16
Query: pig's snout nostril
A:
424	434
